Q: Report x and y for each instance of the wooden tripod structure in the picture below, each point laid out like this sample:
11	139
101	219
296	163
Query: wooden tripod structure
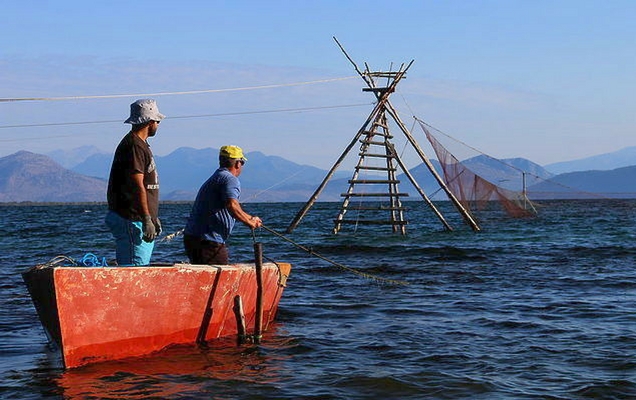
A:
376	144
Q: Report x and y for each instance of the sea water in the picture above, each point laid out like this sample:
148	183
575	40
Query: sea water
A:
541	308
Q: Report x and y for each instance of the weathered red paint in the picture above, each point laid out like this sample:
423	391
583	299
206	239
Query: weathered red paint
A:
98	314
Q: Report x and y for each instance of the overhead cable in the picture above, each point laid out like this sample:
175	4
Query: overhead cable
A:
282	110
113	96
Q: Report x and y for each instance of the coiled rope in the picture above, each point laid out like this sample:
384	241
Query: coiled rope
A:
88	260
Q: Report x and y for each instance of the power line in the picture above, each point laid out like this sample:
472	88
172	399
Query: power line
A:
114	96
282	110
58	124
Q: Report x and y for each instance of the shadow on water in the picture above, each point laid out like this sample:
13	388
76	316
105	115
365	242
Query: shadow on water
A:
181	371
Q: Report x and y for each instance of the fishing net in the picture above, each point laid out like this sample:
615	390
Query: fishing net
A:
471	190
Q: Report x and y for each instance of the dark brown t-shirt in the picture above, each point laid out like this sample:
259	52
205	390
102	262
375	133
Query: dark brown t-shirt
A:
133	156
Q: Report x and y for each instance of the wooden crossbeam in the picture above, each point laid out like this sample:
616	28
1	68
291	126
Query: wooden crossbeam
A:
384	194
379	90
376	155
374	181
369	222
372	168
378	133
376	208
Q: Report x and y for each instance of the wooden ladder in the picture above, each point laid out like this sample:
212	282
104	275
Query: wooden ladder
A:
376	169
376	144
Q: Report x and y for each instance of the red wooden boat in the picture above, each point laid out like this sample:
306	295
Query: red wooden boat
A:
96	314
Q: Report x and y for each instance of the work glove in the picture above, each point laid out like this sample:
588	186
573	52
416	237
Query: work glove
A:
148	228
158	226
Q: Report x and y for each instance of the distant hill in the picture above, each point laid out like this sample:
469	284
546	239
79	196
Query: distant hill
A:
88	160
616	183
506	173
265	178
70	158
26	176
268	178
182	172
96	165
603	162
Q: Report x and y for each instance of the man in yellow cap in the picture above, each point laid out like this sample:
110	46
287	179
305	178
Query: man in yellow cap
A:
215	211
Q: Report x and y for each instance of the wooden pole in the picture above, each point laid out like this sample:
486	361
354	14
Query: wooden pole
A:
383	98
207	315
240	320
419	189
258	320
460	208
300	215
389	107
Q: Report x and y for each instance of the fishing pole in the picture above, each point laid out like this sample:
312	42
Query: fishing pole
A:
337	264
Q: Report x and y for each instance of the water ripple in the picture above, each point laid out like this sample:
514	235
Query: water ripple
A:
540	309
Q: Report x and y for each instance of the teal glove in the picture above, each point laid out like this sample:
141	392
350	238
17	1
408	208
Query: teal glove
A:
148	228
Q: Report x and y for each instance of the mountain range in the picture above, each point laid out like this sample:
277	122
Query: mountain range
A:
26	176
81	175
603	162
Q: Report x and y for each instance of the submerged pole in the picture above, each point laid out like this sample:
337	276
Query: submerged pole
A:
240	320
258	318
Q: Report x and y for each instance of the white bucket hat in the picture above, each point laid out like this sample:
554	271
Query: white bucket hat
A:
144	110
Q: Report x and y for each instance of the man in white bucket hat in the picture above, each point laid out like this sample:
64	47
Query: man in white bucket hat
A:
133	188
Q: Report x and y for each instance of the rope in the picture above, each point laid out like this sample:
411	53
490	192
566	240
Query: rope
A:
310	252
184	117
60	259
422	123
88	260
171	236
573	189
91	260
114	96
341	266
256	195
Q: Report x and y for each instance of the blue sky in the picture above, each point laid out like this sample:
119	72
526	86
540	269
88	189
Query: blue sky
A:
546	80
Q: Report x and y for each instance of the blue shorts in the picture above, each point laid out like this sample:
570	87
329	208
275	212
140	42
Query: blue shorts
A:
130	248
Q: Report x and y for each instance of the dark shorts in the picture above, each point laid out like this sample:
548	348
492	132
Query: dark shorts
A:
201	251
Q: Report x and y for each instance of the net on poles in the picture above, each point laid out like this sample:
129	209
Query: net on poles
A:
474	192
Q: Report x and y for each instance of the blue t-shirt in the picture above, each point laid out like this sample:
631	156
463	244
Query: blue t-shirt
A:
209	218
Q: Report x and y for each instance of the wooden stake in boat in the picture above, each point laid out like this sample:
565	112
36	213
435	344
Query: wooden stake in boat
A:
258	318
240	320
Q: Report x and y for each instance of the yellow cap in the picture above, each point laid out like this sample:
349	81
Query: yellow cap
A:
232	152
